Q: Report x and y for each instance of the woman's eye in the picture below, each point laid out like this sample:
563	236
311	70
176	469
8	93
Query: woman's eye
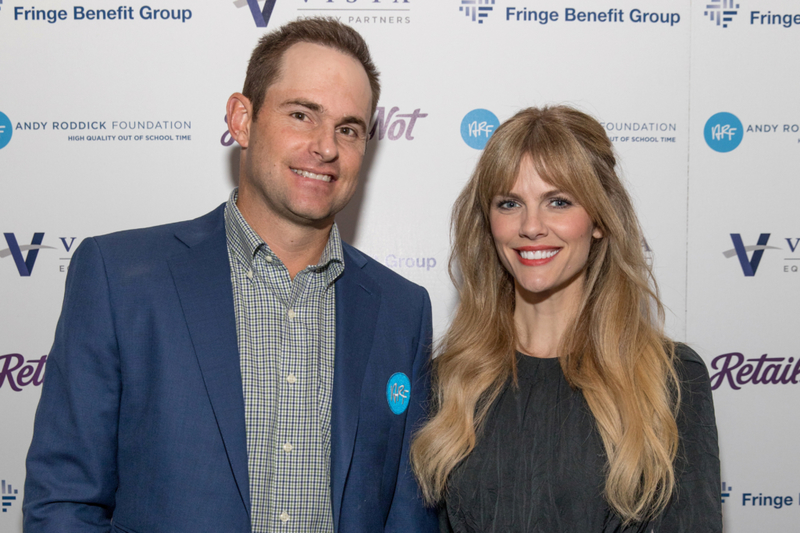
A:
560	202
506	204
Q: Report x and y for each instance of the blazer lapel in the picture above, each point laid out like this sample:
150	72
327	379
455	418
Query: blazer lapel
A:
203	280
357	302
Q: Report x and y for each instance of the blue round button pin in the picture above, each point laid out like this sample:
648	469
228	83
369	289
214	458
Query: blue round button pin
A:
398	390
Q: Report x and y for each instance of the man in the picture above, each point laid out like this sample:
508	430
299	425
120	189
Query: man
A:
204	377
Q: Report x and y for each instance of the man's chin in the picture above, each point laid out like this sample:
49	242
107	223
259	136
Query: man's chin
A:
313	218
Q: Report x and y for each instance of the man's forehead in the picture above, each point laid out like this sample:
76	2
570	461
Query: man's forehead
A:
323	77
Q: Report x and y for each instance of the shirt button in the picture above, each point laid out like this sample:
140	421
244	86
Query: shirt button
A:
290	314
250	274
291	378
285	516
269	260
287	447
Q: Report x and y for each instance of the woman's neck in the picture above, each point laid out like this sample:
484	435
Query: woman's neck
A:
541	320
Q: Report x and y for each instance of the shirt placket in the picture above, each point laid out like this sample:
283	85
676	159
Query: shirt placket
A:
294	385
286	360
263	420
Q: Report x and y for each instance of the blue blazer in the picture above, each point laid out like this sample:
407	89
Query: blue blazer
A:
140	427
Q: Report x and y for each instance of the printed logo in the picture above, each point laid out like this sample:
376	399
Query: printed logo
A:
737	371
726	492
261	15
477	126
355	12
19	373
751	500
723	132
398	390
24	265
721	11
476	10
399	261
6	129
776	502
395	125
9	494
226	139
749	265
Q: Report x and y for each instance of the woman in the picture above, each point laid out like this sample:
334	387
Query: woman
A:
559	404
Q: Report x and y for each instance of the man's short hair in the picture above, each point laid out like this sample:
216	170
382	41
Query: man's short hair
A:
265	63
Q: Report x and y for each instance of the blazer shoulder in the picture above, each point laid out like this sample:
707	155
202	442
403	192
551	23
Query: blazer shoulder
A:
163	239
386	278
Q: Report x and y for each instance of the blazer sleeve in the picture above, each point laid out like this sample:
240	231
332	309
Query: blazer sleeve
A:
71	466
408	512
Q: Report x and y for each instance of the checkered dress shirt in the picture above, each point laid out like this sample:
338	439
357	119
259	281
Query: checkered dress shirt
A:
286	335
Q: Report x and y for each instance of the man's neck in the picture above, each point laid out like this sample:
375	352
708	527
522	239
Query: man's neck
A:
297	246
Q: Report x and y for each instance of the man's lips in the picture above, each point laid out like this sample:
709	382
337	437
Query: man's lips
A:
311	175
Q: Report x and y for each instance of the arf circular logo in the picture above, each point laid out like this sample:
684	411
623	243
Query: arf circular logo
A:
723	132
477	126
398	390
5	130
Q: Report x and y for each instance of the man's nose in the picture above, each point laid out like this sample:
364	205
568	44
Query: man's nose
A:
325	145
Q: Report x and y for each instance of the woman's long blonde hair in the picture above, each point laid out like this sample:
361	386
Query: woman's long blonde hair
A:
614	351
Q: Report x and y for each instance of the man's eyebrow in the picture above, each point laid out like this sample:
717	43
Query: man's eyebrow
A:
317	108
354	120
308	104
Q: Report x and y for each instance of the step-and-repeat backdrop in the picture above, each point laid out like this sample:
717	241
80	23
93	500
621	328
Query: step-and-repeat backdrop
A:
112	117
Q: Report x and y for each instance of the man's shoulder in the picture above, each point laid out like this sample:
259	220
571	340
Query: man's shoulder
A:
389	280
165	237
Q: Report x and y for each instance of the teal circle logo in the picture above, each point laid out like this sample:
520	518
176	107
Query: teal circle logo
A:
477	126
398	390
723	132
6	130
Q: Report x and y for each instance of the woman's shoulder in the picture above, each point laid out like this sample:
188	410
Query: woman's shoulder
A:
686	354
696	394
689	364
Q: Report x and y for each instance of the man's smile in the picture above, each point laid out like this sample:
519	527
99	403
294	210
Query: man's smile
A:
313	176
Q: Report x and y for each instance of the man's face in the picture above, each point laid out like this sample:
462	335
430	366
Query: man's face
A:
304	150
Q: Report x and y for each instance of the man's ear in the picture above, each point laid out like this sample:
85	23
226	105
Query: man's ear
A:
239	113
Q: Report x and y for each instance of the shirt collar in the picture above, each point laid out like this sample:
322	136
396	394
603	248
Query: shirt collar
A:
245	243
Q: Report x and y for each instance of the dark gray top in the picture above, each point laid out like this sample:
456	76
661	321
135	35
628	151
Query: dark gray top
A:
538	465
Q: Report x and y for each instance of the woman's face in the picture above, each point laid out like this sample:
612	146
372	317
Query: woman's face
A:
542	235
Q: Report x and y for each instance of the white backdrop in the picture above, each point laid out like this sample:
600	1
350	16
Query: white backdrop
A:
117	123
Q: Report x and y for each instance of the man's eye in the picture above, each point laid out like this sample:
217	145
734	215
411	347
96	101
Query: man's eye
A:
298	115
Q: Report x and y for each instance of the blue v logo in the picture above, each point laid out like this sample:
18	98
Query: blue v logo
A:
25	266
261	15
749	265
